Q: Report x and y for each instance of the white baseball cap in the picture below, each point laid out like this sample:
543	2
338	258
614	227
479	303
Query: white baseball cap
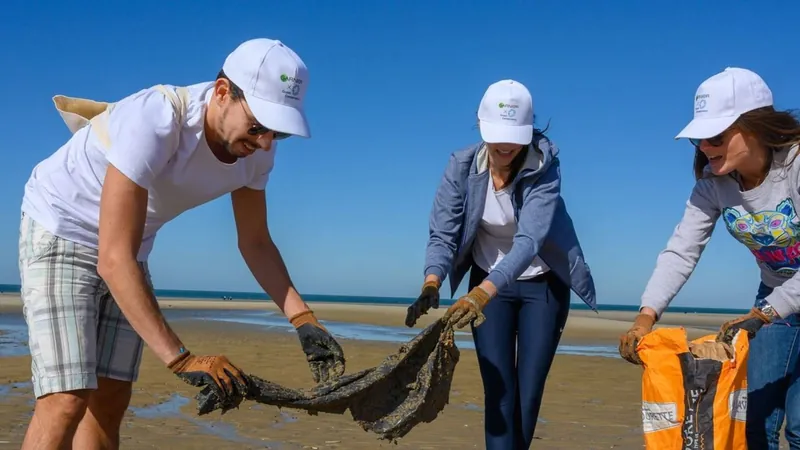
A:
505	114
274	80
721	99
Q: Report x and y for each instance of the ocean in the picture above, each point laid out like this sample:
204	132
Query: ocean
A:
13	341
258	296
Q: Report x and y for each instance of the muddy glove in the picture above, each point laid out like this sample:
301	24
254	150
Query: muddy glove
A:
429	298
325	356
642	325
750	322
468	308
215	372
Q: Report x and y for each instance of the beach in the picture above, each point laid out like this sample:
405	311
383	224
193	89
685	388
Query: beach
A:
592	399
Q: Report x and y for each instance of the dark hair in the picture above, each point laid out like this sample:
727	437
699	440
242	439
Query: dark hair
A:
236	91
519	160
774	129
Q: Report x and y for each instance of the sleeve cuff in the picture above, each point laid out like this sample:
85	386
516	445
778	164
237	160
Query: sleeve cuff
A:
435	271
782	307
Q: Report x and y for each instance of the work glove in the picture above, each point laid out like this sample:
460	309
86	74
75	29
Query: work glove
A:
325	356
750	322
429	298
215	372
468	308
642	325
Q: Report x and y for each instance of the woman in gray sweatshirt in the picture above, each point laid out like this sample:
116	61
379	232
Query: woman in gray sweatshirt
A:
747	175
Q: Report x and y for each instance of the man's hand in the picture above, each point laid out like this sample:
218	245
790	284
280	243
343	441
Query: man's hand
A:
468	308
750	322
216	372
429	298
642	325
325	356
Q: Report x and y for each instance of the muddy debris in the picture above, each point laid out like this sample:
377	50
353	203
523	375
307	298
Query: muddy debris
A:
408	387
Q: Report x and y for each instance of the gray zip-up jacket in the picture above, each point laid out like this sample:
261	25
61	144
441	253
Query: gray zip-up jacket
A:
544	227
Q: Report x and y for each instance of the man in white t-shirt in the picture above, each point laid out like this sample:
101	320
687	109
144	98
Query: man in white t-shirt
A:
92	209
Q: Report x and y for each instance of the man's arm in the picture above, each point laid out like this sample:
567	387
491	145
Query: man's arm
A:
260	253
123	206
325	356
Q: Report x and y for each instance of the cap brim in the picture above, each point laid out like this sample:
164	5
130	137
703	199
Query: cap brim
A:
493	133
706	128
278	117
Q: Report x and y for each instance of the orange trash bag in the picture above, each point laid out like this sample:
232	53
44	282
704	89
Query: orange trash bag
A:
694	394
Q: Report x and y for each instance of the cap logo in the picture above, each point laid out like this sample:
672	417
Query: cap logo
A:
700	102
292	90
510	111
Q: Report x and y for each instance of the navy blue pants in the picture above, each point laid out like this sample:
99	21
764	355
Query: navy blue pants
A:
515	348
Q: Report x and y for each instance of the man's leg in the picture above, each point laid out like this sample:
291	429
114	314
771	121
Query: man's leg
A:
55	419
495	345
545	307
99	427
119	353
59	288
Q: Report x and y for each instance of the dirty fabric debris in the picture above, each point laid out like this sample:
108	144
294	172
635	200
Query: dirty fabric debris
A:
409	387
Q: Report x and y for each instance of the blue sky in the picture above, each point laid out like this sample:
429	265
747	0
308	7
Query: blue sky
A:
394	88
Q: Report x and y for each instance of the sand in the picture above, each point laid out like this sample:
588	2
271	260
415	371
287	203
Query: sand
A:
589	403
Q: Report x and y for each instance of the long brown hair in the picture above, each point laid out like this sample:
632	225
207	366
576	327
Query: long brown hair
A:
774	129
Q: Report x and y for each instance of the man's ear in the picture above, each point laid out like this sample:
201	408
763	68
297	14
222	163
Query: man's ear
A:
222	90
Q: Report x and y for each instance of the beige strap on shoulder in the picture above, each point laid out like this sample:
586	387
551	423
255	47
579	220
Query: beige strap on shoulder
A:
79	112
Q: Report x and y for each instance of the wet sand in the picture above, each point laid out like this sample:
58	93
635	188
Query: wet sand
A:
589	403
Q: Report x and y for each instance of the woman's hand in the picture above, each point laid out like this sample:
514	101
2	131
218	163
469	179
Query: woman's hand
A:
750	322
642	325
429	298
468	308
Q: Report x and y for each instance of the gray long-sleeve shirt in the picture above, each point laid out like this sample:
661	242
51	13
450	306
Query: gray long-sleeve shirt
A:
764	219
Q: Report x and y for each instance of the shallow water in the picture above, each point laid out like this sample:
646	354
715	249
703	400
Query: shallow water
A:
171	408
14	341
365	332
13	335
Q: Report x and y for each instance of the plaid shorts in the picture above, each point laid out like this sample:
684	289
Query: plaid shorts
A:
76	331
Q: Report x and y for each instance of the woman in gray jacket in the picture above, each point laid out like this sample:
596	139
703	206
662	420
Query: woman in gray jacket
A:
499	214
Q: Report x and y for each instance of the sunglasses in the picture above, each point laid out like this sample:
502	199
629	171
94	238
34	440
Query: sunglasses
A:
715	141
257	129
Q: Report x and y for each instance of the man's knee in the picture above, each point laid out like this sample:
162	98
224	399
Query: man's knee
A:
110	401
62	408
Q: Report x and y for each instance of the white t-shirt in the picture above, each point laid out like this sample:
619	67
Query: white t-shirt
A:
170	159
496	234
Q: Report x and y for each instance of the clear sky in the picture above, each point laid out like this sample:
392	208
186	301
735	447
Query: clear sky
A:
394	88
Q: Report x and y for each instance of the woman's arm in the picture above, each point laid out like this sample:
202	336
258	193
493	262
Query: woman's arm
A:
535	219
446	218
677	261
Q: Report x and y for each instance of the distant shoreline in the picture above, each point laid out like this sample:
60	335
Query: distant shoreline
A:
255	297
584	327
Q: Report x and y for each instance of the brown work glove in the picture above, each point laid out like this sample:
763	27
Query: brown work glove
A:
325	356
429	298
467	309
216	372
642	325
750	322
